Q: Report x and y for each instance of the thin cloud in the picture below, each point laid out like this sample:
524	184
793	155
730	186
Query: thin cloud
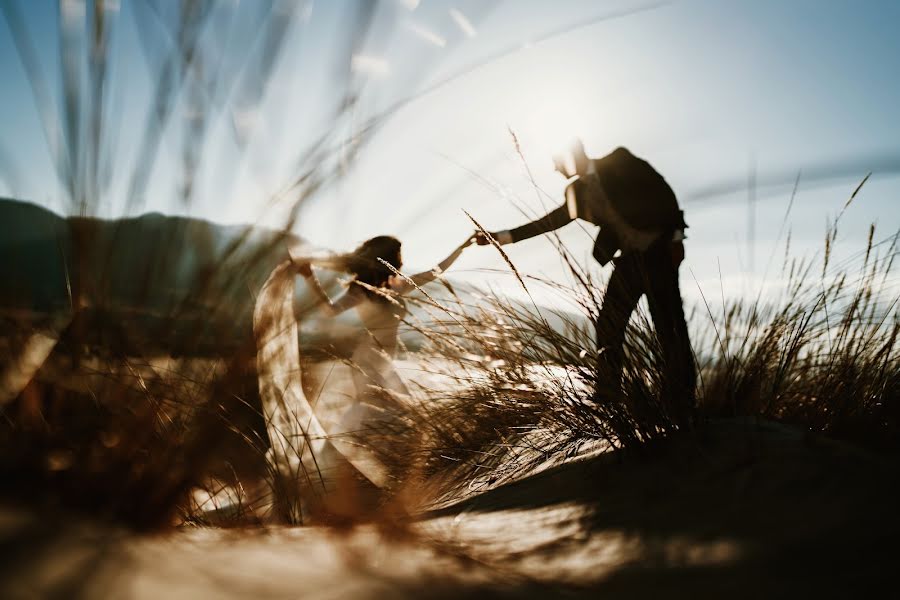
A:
463	22
426	34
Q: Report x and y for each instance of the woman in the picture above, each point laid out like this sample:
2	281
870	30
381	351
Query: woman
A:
376	292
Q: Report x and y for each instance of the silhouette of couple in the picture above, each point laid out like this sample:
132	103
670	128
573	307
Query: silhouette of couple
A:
641	232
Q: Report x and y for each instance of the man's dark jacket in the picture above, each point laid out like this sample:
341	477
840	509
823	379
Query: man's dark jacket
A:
635	191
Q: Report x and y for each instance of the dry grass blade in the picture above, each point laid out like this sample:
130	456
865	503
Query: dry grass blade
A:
856	191
496	245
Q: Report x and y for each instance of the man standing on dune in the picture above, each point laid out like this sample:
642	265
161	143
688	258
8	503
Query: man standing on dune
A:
642	232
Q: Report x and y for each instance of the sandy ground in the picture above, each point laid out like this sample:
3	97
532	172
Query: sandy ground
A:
742	510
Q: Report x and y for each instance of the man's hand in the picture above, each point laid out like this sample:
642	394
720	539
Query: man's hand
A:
501	237
481	239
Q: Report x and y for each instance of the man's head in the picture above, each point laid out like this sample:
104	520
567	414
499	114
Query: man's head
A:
574	161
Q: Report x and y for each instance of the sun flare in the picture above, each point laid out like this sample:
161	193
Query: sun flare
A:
549	117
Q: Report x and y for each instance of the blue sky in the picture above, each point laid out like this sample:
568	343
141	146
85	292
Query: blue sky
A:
705	90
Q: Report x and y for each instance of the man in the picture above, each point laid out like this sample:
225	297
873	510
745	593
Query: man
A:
638	217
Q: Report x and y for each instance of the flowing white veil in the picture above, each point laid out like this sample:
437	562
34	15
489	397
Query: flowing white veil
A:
302	452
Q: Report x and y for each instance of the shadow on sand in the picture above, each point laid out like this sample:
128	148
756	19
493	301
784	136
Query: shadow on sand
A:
741	508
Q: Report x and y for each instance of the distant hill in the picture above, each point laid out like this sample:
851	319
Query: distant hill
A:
177	272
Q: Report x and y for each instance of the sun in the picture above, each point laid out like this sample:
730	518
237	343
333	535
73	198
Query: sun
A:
548	118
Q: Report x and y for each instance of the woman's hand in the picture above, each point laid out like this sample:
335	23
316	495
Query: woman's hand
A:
304	268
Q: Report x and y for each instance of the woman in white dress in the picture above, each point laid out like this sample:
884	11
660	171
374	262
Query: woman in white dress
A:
376	292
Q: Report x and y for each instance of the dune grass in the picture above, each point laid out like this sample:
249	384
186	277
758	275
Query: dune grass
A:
133	444
823	356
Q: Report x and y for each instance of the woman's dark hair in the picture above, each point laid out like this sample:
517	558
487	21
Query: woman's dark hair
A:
364	262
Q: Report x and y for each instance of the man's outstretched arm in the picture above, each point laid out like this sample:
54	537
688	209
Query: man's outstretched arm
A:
549	222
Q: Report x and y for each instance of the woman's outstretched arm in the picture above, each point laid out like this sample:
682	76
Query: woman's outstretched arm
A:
430	275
